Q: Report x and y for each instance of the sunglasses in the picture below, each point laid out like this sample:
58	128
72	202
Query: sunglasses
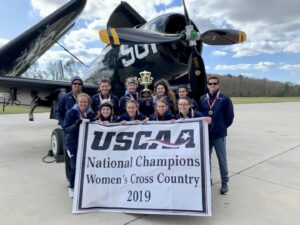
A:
77	83
212	83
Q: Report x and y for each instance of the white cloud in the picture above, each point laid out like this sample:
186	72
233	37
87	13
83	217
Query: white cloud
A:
219	53
95	16
3	41
292	67
45	7
263	66
85	55
271	27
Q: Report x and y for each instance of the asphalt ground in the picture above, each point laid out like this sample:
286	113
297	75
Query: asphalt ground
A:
263	148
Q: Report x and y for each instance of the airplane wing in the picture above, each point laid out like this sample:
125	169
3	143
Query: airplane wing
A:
20	53
125	16
35	92
23	51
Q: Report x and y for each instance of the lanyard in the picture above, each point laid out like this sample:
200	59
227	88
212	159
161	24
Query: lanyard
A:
136	95
213	102
104	100
192	114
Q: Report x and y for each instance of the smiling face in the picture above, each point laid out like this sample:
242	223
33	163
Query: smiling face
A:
182	92
131	88
105	111
104	88
183	106
160	90
161	108
83	103
131	109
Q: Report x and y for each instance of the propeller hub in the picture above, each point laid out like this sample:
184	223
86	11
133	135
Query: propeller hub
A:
191	35
194	35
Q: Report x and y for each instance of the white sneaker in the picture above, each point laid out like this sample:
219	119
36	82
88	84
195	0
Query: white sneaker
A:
71	192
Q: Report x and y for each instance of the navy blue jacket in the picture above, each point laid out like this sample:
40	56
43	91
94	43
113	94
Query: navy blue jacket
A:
168	100
111	119
96	102
167	116
71	128
123	100
146	107
195	114
126	117
222	116
66	102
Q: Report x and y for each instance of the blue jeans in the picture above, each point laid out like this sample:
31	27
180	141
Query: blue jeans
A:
219	145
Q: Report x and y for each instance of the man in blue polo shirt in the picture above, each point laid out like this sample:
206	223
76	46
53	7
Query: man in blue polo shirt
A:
219	107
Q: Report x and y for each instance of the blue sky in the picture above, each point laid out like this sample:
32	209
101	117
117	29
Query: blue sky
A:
272	50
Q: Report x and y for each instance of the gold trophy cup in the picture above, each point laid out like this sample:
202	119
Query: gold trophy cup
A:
145	80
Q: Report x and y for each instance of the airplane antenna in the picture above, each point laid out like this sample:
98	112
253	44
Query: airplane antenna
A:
69	52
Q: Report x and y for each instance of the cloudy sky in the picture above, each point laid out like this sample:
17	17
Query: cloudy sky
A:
272	50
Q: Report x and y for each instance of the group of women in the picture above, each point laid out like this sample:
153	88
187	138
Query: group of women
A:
104	108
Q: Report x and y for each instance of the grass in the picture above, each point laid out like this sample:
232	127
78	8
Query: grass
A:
252	100
21	109
236	100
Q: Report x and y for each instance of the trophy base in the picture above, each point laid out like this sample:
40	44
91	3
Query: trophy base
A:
146	94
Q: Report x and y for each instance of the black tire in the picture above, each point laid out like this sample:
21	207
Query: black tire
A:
57	144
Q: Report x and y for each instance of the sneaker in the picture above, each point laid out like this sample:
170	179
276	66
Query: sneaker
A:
224	189
71	192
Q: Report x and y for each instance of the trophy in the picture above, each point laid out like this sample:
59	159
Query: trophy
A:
145	80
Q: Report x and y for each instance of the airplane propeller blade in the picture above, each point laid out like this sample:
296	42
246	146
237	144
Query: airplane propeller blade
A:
118	36
223	37
197	77
186	15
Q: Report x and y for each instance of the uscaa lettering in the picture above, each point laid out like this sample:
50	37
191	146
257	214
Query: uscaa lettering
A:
142	140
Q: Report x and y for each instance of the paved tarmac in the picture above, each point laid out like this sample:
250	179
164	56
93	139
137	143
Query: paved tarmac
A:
264	163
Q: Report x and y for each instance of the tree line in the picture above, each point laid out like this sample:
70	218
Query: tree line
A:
234	86
242	86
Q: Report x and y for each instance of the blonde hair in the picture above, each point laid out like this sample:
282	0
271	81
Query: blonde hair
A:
161	101
83	95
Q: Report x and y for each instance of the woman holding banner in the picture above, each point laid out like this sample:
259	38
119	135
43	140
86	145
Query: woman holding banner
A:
185	110
162	112
132	113
105	114
73	119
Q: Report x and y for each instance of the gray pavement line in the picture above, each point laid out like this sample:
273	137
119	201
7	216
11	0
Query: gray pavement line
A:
271	182
139	217
261	162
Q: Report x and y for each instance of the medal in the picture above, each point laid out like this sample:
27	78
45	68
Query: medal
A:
211	112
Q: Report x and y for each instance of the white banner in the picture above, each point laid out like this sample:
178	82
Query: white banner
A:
152	168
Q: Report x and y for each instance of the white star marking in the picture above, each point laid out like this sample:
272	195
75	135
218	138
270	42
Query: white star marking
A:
185	136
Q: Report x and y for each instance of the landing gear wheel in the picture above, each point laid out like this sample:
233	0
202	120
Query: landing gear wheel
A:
57	144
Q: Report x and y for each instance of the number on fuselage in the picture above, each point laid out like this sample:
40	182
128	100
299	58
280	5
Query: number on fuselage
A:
133	52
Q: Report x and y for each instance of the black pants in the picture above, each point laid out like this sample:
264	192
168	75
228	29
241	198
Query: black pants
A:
67	165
